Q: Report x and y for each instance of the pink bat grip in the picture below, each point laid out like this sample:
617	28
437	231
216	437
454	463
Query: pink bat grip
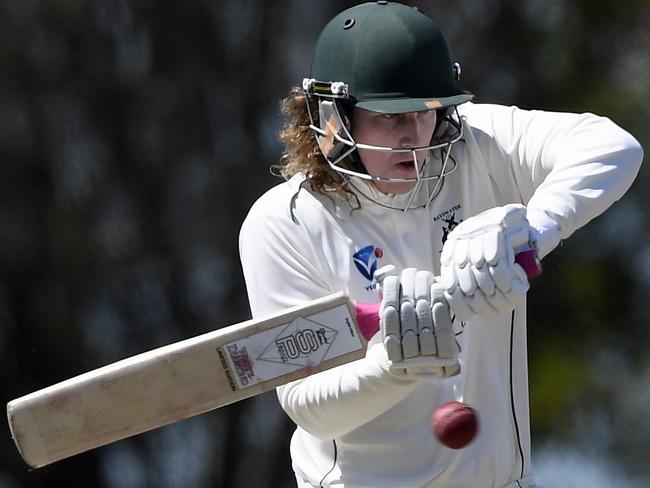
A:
367	314
527	259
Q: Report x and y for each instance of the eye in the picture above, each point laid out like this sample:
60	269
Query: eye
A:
389	116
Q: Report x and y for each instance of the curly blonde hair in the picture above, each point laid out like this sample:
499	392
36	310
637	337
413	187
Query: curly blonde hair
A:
301	153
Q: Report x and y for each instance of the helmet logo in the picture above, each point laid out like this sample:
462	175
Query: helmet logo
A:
457	71
348	24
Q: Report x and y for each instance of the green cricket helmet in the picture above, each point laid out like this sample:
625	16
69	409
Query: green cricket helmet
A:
390	58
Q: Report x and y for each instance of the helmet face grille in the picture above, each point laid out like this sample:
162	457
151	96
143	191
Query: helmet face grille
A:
391	53
339	148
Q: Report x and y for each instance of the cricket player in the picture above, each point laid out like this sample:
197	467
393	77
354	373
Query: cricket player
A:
396	182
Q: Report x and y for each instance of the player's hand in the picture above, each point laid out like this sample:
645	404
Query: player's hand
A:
416	324
478	268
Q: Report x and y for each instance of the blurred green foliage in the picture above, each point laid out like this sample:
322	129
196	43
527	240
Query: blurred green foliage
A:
135	135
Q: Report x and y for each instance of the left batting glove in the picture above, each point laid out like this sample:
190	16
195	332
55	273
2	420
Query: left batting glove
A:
416	323
478	268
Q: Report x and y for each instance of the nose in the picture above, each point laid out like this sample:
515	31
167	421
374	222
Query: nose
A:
414	127
409	130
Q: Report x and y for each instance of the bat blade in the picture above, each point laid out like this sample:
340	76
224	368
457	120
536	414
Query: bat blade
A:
187	378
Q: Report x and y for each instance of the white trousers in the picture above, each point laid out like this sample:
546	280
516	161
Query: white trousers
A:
527	482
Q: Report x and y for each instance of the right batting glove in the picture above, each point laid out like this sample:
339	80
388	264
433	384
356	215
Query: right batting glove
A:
478	268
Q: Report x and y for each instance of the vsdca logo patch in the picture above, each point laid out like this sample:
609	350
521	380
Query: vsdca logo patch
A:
366	260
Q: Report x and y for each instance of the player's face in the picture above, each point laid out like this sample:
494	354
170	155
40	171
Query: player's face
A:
404	130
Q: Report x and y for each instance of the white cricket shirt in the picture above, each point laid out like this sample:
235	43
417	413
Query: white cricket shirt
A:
358	425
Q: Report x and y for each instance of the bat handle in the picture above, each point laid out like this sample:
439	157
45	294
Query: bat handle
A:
367	314
527	259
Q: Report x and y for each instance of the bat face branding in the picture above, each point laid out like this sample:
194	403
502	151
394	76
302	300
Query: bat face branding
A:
304	342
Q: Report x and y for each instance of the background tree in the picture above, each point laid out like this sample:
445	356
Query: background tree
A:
135	135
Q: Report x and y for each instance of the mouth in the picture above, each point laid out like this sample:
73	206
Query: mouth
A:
405	166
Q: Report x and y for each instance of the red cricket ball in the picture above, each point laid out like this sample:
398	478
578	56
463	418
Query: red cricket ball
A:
455	424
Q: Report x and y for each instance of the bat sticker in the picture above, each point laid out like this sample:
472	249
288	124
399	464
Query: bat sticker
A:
302	343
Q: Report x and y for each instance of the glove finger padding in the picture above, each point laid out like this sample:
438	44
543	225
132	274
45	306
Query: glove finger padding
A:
445	337
394	309
416	324
390	318
410	346
408	320
426	333
483	279
480	304
478	268
426	339
466	279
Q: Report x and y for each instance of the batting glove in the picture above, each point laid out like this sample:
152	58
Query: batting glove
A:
416	323
478	268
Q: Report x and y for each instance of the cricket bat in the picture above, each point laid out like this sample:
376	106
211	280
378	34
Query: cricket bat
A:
187	378
193	376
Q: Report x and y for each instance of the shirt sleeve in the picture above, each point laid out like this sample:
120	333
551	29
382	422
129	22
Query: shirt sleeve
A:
568	168
283	268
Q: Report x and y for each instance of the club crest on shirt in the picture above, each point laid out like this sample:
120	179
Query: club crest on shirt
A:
367	259
449	220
